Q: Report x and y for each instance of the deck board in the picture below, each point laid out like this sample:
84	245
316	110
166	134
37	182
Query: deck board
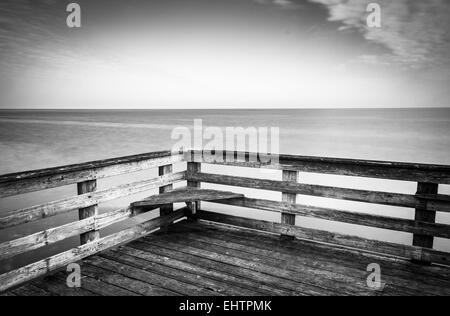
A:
350	266
207	259
313	271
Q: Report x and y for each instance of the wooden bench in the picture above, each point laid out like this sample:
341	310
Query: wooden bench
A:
188	195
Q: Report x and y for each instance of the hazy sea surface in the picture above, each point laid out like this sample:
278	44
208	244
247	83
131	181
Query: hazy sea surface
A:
40	139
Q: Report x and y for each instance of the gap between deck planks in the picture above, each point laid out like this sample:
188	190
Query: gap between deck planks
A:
339	267
203	258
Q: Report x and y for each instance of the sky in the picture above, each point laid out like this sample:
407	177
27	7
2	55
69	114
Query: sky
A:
224	54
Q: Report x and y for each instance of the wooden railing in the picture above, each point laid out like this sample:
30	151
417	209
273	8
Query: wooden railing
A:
426	203
90	222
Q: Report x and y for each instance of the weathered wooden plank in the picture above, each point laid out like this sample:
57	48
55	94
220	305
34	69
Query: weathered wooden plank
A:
193	167
252	278
285	277
329	281
187	194
35	241
363	219
394	266
433	197
164	170
86	212
168	208
92	284
412	252
178	260
348	167
150	277
399	282
323	273
375	197
58	287
276	285
289	218
38	212
122	281
92	280
180	273
422	215
52	235
55	262
30	290
31	181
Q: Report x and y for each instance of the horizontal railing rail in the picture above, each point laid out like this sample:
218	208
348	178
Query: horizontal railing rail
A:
34	213
42	267
414	172
86	202
375	246
31	181
357	218
429	202
426	202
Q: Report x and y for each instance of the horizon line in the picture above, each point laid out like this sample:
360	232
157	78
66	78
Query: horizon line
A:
221	108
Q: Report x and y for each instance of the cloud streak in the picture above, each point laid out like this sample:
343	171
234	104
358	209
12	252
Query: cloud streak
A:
284	4
417	32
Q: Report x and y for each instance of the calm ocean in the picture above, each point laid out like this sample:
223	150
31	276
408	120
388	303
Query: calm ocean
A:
40	139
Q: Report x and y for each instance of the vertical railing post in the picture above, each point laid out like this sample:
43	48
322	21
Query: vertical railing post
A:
83	213
165	170
289	176
424	215
192	168
166	209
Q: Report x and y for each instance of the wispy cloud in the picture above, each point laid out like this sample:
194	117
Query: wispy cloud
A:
417	32
284	4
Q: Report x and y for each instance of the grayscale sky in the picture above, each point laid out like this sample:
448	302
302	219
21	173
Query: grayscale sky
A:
224	53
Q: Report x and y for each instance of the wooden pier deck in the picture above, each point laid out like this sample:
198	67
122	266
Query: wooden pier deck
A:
208	259
196	251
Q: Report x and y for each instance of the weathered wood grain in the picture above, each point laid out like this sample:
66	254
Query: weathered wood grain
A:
348	167
288	218
186	194
153	278
423	215
193	167
46	210
168	208
105	277
268	273
328	282
181	261
55	262
50	236
185	275
31	290
411	252
375	197
245	277
401	267
86	212
357	218
31	181
345	262
165	170
58	287
207	258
